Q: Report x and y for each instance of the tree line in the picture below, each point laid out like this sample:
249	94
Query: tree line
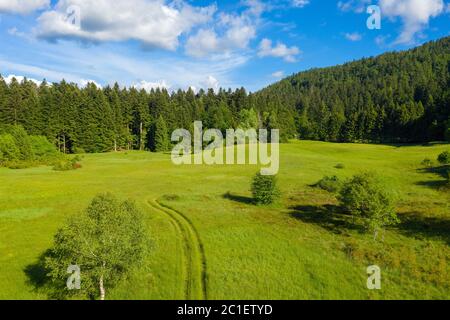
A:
396	97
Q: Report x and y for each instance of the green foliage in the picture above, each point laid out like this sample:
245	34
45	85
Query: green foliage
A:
67	164
21	140
330	184
8	149
264	189
444	158
162	142
365	196
428	163
340	166
248	119
42	148
106	242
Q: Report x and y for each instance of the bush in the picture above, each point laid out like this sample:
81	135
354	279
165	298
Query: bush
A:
340	166
8	149
367	197
67	164
264	189
444	158
330	184
427	163
42	148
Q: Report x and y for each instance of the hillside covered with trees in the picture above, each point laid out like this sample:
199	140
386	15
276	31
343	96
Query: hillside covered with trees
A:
396	97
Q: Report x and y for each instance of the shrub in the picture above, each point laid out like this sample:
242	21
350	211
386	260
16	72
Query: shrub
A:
264	189
8	149
340	166
444	158
42	148
367	197
330	184
67	164
427	163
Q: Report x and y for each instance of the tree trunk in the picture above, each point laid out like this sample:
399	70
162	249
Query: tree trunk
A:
141	128
64	140
115	145
102	289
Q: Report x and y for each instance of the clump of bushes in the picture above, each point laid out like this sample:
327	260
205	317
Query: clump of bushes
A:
330	184
264	189
68	164
18	150
444	158
367	197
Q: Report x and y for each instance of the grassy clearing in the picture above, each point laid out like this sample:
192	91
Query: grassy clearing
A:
300	248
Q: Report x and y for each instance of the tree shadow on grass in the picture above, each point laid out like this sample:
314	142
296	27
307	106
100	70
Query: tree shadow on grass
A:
38	278
436	184
416	225
329	217
36	272
237	198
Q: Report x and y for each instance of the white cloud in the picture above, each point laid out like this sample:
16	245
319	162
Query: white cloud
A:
148	86
154	23
415	15
358	6
22	6
84	83
300	3
20	79
355	36
278	74
231	32
280	51
211	83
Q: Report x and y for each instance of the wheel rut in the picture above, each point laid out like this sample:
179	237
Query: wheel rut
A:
194	260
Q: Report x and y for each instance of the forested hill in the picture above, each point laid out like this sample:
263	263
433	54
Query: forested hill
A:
395	97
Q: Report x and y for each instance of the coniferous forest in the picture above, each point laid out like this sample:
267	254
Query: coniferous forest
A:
396	97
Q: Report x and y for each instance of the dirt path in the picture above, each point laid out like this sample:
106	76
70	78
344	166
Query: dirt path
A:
194	260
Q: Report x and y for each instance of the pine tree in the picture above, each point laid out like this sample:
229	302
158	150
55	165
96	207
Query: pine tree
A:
161	136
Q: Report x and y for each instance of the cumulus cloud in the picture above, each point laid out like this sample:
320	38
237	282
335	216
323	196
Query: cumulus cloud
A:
211	83
154	23
355	36
279	51
415	15
22	6
231	32
148	86
20	79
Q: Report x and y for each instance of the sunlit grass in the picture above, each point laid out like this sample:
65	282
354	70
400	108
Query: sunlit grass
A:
279	252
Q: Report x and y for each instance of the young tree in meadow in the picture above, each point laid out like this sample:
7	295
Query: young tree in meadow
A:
444	158
105	242
264	189
365	196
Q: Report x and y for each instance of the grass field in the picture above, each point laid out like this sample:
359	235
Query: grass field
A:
209	241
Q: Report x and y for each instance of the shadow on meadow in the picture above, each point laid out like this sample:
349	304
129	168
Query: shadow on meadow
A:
38	278
441	172
416	225
329	217
237	198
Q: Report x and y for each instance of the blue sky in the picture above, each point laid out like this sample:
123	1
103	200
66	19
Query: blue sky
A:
178	44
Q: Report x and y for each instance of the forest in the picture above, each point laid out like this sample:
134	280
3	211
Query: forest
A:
398	97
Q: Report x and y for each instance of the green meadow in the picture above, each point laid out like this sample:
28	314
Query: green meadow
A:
208	241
